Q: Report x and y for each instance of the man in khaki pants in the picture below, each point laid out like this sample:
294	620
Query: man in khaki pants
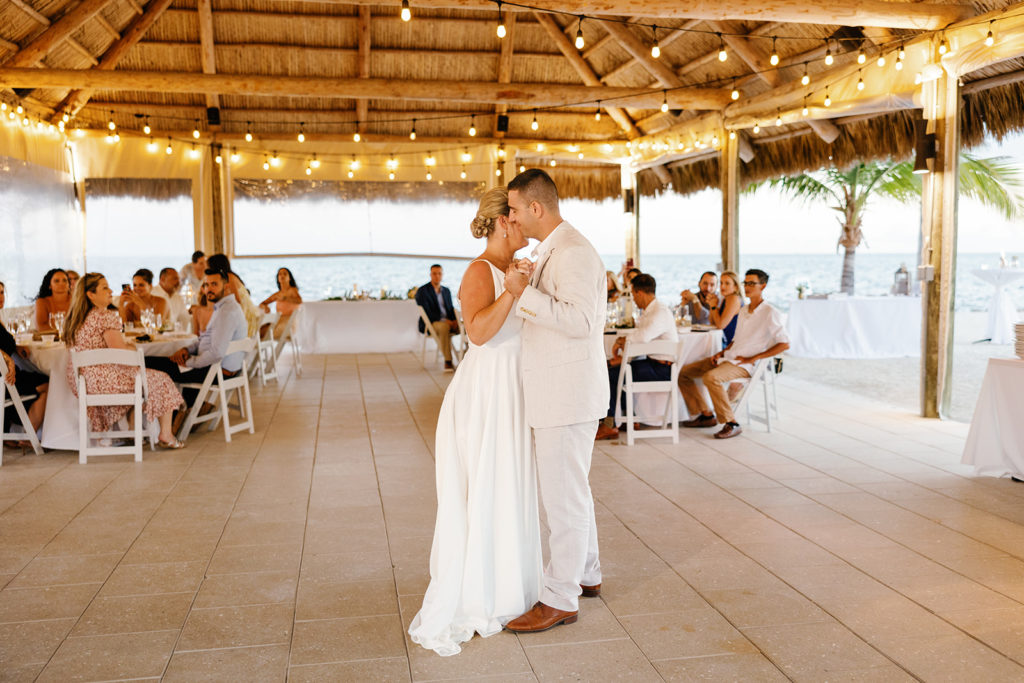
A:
759	334
436	301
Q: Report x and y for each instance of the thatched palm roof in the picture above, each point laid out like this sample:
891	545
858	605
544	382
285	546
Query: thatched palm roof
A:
331	68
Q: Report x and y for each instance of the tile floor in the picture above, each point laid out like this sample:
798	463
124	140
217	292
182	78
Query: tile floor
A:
848	544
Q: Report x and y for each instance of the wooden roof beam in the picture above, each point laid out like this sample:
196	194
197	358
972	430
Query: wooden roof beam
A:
505	68
668	40
56	32
908	15
204	9
133	33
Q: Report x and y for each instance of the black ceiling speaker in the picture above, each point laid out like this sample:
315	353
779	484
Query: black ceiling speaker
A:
213	116
502	123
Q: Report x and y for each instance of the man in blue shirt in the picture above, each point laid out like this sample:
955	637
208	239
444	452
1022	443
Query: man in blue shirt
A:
227	324
437	302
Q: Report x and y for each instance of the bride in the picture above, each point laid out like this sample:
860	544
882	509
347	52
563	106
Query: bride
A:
485	562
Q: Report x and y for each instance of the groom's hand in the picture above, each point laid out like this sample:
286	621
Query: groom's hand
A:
524	266
515	281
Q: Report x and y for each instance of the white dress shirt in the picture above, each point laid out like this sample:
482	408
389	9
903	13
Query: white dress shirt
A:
176	308
656	323
755	333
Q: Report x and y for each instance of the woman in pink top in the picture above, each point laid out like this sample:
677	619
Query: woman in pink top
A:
286	297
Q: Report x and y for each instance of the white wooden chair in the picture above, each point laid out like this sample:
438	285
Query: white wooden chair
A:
215	381
763	376
128	358
9	397
458	345
264	360
670	418
288	337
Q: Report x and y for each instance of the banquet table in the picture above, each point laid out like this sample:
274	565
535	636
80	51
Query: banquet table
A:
995	442
1002	312
697	345
60	427
855	327
358	326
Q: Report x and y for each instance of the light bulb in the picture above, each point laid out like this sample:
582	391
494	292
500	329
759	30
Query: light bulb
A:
860	84
989	38
732	135
117	137
553	163
502	32
234	156
391	175
21	109
195	134
430	160
169	150
463	174
735	94
829	59
193	153
881	60
901	53
943	47
899	65
248	131
466	157
828	100
534	125
309	170
351	174
778	120
356	137
301	137
597	114
110	124
757	128
805	111
354	165
151	145
145	129
218	160
861	57
497	172
412	133
806	78
275	161
664	103
430	176
406	12
472	127
248	137
314	162
722	54
266	165
655	48
522	168
579	39
67	117
774	59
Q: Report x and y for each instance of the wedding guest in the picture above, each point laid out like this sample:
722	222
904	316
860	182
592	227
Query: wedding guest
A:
627	279
227	324
167	289
141	297
201	312
696	304
193	272
91	325
759	334
726	305
235	286
54	297
27	382
72	279
287	299
656	323
3	295
614	290
436	300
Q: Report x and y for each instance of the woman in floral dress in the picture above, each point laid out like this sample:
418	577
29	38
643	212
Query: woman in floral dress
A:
92	325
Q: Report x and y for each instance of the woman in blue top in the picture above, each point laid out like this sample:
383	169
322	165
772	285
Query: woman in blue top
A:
725	305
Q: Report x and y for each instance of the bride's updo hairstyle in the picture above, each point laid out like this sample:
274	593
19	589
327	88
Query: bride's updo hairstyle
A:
494	203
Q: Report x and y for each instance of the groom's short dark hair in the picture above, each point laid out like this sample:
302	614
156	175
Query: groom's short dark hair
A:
644	283
537	186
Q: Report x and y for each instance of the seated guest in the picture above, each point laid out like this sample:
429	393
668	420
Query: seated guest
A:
141	297
759	334
227	324
25	381
613	286
72	279
167	289
201	312
656	323
54	297
627	279
436	300
286	297
91	325
235	286
3	295
696	305
194	272
725	307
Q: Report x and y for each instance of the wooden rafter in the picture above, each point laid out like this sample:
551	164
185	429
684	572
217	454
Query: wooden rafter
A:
505	68
363	63
102	21
289	50
133	33
204	9
632	61
31	11
56	32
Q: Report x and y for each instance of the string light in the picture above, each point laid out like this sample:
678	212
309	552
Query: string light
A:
521	168
314	162
406	12
193	153
597	112
735	94
145	128
881	60
301	137
65	117
501	151
534	125
110	134
353	166
168	150
501	29
430	160
655	48
805	111
553	163
806	78
248	131
472	126
778	118
943	47
901	53
757	128
579	35
732	135
774	59
497	172
664	101
463	173
430	176
722	54
829	59
195	131
356	137
861	57
266	163
860	82
235	156
989	38
466	156
151	145
275	160
110	124
828	100
21	110
217	159
412	133
309	170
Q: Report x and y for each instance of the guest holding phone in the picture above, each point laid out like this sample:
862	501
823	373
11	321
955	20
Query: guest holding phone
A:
140	297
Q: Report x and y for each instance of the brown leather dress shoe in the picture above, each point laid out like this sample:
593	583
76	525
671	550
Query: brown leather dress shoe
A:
590	591
729	430
541	618
700	422
606	432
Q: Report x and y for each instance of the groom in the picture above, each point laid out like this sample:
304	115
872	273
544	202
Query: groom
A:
563	305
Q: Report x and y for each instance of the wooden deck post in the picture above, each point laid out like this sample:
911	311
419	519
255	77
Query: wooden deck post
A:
631	208
938	245
729	182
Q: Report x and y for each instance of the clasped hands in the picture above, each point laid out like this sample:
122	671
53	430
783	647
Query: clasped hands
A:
517	276
180	356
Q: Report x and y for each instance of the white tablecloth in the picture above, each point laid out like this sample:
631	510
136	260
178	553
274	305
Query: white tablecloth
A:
1002	312
995	443
696	346
855	327
60	426
358	326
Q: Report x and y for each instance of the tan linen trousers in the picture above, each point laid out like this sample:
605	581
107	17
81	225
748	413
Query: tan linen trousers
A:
443	330
715	378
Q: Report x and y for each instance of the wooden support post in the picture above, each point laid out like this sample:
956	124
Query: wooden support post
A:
729	182
938	245
631	213
216	180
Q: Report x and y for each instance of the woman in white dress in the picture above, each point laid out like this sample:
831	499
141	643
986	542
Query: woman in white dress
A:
485	562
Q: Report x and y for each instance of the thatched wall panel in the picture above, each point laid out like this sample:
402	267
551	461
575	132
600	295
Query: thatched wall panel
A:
159	57
140	188
595	182
997	112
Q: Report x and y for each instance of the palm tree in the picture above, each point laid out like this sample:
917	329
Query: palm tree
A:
996	182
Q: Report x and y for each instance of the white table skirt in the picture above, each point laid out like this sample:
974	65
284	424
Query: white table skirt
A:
1002	312
358	326
995	442
60	426
855	327
696	346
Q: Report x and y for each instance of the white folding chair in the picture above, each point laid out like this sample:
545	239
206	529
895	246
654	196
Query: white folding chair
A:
128	358
670	418
288	337
264	362
216	381
9	396
763	375
458	346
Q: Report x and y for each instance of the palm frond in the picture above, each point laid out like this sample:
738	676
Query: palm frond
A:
806	188
996	182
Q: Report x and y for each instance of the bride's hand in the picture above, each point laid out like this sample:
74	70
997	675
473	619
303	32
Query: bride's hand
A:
515	280
524	266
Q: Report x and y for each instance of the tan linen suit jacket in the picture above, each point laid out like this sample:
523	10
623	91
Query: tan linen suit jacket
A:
565	379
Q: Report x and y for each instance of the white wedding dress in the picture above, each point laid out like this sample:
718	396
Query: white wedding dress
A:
485	562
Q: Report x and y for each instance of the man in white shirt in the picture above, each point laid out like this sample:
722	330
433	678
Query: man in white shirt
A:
167	288
656	323
759	334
